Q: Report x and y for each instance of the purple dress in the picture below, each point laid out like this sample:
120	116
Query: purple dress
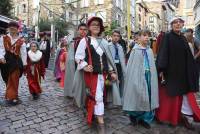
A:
57	70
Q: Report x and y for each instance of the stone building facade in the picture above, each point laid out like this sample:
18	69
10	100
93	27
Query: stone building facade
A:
109	10
197	18
185	9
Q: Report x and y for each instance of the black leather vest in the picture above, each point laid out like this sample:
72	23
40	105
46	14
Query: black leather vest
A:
99	63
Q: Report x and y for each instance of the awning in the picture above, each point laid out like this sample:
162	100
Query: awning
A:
6	19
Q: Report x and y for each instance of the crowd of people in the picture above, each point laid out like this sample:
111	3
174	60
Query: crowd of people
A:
17	58
97	73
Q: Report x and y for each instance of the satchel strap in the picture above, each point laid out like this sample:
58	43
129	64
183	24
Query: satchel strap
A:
88	40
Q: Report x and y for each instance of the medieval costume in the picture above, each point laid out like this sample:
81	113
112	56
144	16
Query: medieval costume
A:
123	43
159	41
140	97
97	78
13	50
71	66
119	60
59	52
89	87
63	59
45	47
35	70
56	70
176	62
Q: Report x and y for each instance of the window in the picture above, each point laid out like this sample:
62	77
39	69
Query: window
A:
151	27
119	18
151	19
140	27
189	3
17	11
139	9
139	17
102	15
91	14
99	2
36	3
84	3
189	20
122	4
118	3
24	8
70	15
73	2
50	14
85	17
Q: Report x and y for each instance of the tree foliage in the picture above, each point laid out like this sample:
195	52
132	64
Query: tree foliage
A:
60	26
44	25
109	29
6	8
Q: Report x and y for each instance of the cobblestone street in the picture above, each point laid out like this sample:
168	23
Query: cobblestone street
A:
52	113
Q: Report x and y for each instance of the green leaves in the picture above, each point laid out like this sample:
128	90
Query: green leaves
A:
6	8
109	29
60	26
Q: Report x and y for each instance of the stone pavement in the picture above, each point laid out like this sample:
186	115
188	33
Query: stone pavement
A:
53	113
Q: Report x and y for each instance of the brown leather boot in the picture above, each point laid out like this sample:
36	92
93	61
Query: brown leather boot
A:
186	123
101	128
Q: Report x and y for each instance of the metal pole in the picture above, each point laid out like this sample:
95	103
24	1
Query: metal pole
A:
135	16
38	17
28	13
128	20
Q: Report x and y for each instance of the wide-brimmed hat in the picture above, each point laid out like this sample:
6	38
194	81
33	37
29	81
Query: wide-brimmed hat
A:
13	24
176	18
96	19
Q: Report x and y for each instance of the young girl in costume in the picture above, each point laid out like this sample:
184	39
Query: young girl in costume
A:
35	70
141	84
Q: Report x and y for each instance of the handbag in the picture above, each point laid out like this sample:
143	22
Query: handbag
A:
108	80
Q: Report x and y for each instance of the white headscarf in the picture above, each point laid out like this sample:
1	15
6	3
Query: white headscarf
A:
176	18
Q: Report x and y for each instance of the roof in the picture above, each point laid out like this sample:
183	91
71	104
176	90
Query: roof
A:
6	19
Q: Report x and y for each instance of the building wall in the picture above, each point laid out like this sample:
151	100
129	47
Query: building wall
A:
29	14
88	8
185	9
108	10
169	14
141	17
23	10
197	13
197	19
155	18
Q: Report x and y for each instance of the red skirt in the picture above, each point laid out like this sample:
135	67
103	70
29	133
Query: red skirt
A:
34	83
170	107
62	81
91	83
